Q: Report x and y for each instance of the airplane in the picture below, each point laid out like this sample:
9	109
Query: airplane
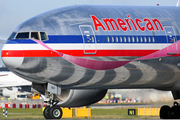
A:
9	79
74	54
12	85
15	94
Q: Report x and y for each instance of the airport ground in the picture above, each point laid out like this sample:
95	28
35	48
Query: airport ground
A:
115	113
99	111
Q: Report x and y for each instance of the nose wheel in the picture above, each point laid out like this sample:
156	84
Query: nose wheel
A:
45	112
54	112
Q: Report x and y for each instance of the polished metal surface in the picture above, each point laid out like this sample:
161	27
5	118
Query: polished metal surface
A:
155	73
159	73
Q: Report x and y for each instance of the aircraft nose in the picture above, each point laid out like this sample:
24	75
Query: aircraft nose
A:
12	54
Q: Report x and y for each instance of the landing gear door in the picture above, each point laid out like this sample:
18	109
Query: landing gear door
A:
171	40
89	39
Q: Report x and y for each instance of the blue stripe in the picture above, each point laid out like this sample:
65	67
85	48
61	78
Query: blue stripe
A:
99	39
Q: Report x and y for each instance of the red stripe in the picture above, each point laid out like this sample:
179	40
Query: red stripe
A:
49	53
12	53
90	51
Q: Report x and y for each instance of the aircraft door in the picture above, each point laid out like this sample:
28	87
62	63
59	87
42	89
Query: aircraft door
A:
89	39
171	38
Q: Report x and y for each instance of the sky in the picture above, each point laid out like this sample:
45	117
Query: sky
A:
14	12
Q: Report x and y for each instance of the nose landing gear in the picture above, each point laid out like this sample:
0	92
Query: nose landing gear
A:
54	112
170	113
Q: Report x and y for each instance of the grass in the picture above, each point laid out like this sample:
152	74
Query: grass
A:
16	113
22	113
117	114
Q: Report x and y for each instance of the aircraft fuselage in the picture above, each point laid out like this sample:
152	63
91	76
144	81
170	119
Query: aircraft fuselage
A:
99	47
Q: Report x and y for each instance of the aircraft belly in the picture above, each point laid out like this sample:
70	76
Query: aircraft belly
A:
152	73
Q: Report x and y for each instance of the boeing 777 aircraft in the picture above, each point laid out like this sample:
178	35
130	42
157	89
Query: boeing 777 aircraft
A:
72	55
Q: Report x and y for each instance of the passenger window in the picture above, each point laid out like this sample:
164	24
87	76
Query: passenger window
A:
116	39
129	40
23	35
124	39
137	39
112	39
149	39
43	36
120	39
141	39
145	40
34	35
132	39
107	39
153	39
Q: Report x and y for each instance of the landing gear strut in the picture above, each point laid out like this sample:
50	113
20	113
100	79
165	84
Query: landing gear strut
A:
170	113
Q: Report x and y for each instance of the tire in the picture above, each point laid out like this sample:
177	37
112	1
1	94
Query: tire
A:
45	112
55	112
164	112
172	112
176	111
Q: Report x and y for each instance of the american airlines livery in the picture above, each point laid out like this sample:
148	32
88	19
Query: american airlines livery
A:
72	55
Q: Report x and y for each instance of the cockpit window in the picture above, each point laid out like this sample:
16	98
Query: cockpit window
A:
43	36
35	35
30	35
12	36
23	35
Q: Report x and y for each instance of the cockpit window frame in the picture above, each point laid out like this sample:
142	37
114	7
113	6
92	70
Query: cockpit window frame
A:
47	38
12	36
30	32
39	37
39	34
21	32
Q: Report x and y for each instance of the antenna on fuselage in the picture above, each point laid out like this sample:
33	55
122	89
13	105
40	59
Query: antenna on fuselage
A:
177	3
